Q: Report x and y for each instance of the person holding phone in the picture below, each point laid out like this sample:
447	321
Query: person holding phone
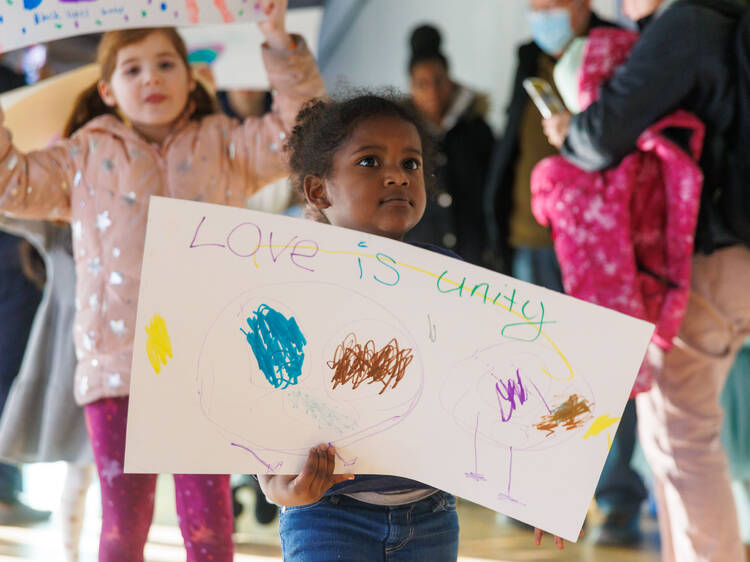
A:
681	61
523	248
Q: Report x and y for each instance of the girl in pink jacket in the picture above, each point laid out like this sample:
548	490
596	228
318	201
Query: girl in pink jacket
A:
147	128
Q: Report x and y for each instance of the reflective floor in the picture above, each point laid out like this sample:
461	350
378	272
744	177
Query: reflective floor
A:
484	535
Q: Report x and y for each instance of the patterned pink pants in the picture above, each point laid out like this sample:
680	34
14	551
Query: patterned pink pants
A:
204	502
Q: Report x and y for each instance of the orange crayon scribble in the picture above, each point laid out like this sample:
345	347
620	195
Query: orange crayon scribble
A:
357	364
193	10
226	14
571	414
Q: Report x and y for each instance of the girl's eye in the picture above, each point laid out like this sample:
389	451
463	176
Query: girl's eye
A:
131	71
166	65
412	164
368	162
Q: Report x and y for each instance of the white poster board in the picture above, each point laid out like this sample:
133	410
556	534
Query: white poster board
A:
24	22
233	52
260	336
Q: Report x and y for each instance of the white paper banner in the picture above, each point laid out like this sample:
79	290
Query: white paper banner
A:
233	52
260	336
23	22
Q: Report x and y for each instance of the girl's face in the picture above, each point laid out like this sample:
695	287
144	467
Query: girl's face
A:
638	9
377	183
431	88
150	85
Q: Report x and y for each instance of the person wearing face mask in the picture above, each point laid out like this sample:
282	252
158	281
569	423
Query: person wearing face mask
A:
523	248
681	61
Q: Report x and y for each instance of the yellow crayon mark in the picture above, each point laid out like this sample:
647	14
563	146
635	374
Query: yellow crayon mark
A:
158	344
600	424
256	262
447	281
609	441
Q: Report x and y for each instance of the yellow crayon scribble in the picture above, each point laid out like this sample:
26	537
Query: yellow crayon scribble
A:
158	344
609	441
256	262
600	424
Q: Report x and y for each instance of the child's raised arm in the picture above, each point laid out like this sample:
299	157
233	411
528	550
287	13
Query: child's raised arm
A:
35	185
309	485
294	78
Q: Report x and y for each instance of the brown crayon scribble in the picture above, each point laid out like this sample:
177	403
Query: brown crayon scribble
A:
356	363
571	414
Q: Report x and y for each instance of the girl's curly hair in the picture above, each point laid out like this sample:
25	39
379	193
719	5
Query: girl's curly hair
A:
323	126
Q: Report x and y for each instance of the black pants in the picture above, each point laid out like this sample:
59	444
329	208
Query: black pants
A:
19	300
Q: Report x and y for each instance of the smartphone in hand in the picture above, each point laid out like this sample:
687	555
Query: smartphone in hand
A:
544	97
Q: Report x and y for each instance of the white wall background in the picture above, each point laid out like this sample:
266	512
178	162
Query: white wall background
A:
479	38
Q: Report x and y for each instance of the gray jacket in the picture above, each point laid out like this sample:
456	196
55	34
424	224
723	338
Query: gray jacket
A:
41	421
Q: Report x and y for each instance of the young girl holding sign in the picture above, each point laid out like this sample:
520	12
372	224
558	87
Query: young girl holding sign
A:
146	129
362	164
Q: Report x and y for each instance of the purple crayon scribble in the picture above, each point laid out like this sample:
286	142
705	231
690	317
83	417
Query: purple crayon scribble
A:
475	475
508	393
269	468
505	496
342	459
542	397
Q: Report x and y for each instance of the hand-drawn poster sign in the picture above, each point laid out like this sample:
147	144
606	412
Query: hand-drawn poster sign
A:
23	22
259	336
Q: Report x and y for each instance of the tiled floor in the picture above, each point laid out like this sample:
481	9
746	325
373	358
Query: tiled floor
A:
484	535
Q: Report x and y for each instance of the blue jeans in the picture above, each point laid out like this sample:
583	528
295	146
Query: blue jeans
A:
620	488
538	266
341	528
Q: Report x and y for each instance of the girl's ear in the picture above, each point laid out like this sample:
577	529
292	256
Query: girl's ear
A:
106	93
316	192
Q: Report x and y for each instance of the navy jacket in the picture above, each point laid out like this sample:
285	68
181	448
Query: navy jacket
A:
680	62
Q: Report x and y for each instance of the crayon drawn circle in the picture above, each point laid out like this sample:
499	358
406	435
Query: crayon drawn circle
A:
233	389
503	393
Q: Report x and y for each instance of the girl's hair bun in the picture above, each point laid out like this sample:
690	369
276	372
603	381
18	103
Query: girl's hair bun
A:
425	40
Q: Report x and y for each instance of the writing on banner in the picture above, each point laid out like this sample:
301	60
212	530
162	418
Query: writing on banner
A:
24	22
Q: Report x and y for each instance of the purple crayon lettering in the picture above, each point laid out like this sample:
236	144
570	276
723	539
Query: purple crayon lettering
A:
301	244
195	236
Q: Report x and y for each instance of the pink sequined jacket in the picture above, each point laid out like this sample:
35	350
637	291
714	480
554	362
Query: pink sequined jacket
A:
100	180
624	236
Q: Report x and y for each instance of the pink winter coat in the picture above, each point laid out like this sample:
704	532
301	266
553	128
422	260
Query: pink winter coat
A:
624	236
100	180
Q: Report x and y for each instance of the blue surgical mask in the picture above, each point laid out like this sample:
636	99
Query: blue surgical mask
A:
551	30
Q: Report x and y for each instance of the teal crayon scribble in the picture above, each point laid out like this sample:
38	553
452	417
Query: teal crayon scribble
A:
277	343
324	414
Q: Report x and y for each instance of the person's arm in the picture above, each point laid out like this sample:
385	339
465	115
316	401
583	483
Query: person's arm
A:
309	485
36	185
658	75
294	78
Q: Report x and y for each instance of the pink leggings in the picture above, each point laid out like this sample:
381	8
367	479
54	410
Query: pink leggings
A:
204	502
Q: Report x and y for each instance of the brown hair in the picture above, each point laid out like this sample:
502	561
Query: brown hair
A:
90	104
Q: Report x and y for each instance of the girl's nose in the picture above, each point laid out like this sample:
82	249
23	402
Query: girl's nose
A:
151	76
396	176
